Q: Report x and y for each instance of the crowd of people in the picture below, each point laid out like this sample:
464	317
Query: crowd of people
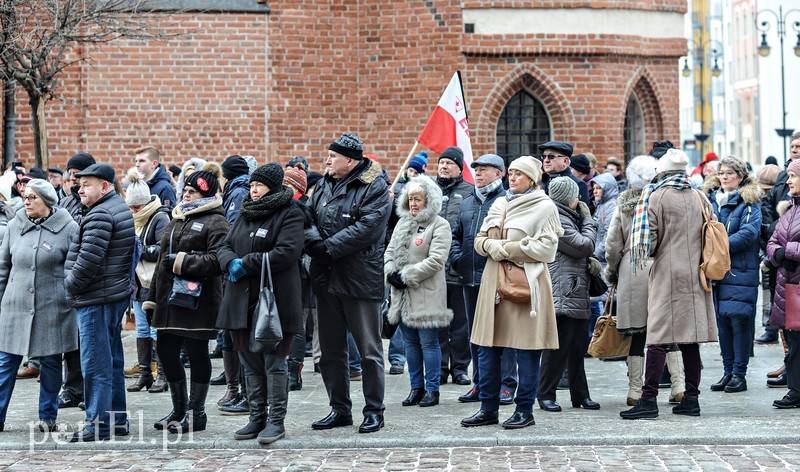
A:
495	275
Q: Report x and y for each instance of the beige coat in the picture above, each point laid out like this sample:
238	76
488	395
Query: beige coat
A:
631	288
679	310
532	230
418	250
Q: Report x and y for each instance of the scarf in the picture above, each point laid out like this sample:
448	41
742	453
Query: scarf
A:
186	207
482	193
640	229
39	221
724	197
141	218
511	195
261	209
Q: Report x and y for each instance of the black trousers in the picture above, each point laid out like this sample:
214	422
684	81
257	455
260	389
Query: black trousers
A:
169	351
73	383
454	339
572	344
793	362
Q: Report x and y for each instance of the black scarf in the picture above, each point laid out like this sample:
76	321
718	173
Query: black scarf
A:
265	206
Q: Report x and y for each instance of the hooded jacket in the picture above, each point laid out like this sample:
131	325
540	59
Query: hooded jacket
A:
787	236
232	197
604	211
350	216
419	250
160	184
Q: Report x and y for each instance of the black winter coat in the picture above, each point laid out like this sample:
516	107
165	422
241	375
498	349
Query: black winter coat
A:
72	203
453	193
468	263
196	236
350	215
98	267
281	233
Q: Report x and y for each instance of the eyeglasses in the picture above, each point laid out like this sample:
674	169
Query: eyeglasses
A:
726	174
30	198
189	191
551	156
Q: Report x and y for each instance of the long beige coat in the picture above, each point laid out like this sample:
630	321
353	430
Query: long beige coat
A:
679	310
532	230
631	288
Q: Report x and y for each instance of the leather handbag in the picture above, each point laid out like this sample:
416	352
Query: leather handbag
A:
606	340
266	332
185	291
597	286
387	329
512	282
792	307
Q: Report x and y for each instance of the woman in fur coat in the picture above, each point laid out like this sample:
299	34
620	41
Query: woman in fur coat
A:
414	266
737	204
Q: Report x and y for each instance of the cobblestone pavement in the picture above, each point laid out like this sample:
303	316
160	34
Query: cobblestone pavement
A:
526	458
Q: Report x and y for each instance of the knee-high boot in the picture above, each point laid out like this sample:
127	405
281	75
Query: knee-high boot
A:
635	372
677	376
257	399
278	402
179	405
160	385
195	418
144	352
230	362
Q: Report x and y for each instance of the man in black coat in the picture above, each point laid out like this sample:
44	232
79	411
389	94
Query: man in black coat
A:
555	157
98	285
350	209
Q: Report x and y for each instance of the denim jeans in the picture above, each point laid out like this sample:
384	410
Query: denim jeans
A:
102	365
423	350
49	383
508	365
397	349
353	356
735	339
490	359
143	329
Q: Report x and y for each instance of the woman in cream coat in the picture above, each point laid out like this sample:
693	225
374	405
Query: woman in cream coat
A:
523	227
414	266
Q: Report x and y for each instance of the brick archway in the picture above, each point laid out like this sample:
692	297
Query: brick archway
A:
644	85
532	79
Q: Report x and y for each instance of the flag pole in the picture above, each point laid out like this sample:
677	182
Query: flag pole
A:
405	163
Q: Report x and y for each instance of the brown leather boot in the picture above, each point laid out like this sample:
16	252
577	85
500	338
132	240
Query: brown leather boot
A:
161	384
230	361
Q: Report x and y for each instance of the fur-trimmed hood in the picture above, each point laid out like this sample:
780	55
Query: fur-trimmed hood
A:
749	190
627	201
178	214
433	199
786	204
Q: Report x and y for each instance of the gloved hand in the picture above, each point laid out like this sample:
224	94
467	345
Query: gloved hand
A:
780	255
169	261
318	249
495	249
396	281
152	250
583	209
236	270
789	265
611	276
149	315
594	266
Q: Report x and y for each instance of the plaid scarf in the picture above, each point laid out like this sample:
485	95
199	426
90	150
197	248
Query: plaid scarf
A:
640	229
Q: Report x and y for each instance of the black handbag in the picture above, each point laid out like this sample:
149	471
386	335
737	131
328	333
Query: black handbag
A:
597	286
266	332
185	292
387	329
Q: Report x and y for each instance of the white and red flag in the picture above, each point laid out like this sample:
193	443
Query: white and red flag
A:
448	125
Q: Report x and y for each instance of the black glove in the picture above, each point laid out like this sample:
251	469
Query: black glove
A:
152	250
789	265
396	281
169	261
317	249
149	315
780	255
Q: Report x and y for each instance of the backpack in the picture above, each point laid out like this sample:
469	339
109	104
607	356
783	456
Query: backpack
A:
716	258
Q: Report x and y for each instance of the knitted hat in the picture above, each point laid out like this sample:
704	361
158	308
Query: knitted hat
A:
296	178
419	162
45	191
312	179
673	160
580	163
563	190
298	161
80	161
270	175
767	175
660	148
206	180
137	193
771	160
529	166
234	166
794	166
640	171
348	145
252	164
175	171
455	154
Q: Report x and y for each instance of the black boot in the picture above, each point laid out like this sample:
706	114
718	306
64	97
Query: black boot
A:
645	408
144	352
230	362
430	399
257	399
180	399
689	407
278	401
295	376
195	418
160	385
723	382
414	397
737	384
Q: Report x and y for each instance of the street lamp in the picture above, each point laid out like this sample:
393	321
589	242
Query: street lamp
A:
699	58
764	49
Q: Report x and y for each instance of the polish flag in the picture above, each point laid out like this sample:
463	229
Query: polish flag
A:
448	125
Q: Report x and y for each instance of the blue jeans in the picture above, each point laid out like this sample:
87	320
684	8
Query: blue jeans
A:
49	383
490	359
423	350
397	349
735	340
143	329
102	365
353	356
508	366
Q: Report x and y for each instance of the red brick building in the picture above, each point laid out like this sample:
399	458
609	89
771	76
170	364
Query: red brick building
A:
280	78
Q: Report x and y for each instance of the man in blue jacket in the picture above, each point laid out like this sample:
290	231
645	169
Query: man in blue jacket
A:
156	175
98	286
